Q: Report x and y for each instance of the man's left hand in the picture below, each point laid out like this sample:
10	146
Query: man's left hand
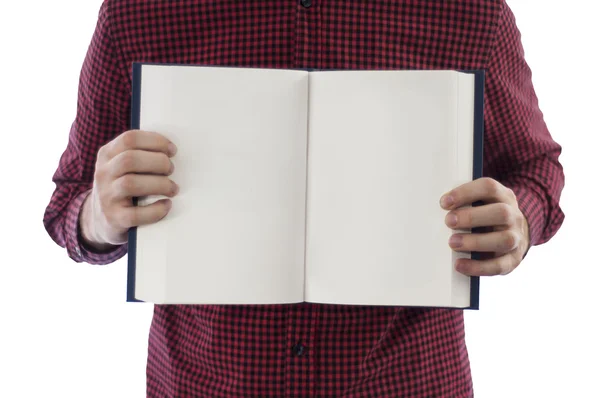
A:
508	238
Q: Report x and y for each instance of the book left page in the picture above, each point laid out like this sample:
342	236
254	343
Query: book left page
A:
235	233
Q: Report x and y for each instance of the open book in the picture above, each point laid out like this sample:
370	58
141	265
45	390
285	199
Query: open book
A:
317	186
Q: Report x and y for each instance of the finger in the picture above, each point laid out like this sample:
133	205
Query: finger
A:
140	161
497	266
490	215
134	216
485	189
498	242
131	185
138	139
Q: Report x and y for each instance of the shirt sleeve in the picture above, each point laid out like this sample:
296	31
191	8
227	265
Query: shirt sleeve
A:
519	151
102	114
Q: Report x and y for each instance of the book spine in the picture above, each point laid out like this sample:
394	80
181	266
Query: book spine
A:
306	184
478	134
132	233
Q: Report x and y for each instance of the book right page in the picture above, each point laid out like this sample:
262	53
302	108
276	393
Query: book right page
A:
383	148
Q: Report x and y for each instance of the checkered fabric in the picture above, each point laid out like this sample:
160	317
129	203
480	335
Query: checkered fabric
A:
310	350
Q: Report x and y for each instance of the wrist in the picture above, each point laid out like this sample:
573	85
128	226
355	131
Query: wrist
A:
88	237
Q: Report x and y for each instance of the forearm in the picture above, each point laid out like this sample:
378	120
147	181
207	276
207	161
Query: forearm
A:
520	153
102	114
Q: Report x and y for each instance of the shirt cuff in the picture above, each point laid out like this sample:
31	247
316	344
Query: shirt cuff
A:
76	249
532	206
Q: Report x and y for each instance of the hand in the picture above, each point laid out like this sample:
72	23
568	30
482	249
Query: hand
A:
507	239
136	163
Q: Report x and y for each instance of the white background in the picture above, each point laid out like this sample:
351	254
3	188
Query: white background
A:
66	331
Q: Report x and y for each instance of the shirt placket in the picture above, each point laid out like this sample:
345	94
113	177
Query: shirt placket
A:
300	378
300	355
308	33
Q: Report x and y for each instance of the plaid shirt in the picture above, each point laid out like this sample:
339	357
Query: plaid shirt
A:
310	350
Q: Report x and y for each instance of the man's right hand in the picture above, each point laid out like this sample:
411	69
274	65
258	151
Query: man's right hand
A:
136	163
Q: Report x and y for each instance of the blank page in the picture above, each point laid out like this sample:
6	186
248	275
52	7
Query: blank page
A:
383	148
235	233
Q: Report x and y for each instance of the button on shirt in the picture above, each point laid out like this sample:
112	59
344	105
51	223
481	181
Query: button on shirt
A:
310	350
299	349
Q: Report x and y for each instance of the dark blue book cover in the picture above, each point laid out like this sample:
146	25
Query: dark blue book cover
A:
477	171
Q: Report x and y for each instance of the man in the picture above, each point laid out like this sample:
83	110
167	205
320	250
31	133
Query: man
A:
306	350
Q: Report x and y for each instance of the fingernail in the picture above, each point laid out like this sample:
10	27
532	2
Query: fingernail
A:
172	169
172	149
447	201
460	267
451	220
175	188
455	241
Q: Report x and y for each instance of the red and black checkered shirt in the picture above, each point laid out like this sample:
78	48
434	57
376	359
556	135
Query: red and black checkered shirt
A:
311	350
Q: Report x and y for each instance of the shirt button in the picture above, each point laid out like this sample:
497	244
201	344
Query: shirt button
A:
299	350
306	3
